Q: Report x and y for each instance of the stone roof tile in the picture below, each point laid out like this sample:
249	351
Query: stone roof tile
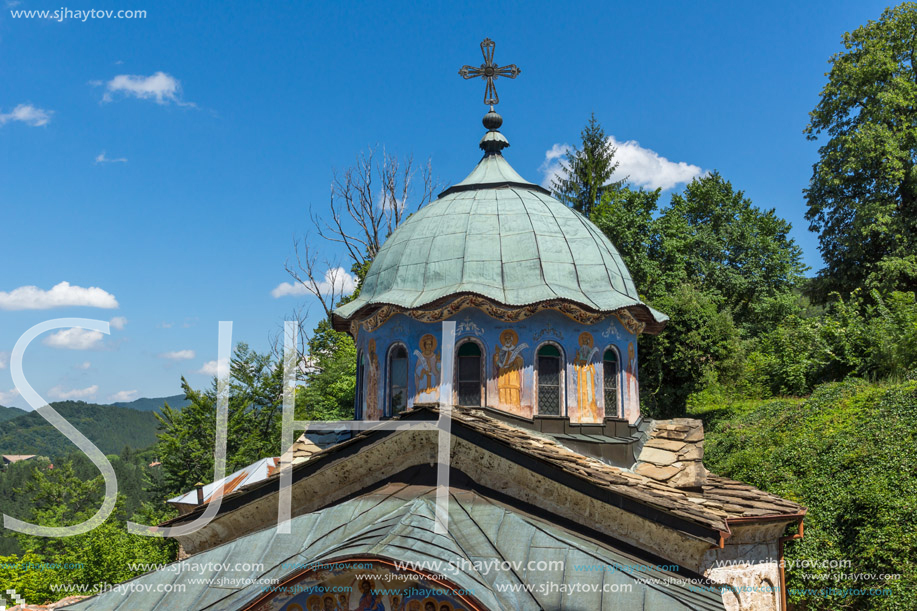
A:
719	501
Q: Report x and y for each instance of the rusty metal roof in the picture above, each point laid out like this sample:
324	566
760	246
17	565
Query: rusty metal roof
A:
254	472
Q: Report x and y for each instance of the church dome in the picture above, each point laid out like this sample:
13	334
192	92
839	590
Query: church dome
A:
501	237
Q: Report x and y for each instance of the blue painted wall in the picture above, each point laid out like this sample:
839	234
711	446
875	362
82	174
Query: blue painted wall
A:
474	325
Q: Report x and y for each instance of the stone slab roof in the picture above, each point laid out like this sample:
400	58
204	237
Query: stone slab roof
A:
719	501
710	508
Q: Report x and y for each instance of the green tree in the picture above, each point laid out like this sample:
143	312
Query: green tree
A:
699	346
330	388
186	440
106	554
710	236
587	171
720	267
713	237
862	198
872	336
627	217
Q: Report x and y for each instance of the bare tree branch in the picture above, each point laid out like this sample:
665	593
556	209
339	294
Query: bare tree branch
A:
369	200
327	286
300	315
362	214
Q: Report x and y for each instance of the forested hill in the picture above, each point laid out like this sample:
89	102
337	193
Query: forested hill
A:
155	405
8	413
110	427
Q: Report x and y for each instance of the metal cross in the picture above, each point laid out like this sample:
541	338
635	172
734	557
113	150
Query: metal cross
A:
489	70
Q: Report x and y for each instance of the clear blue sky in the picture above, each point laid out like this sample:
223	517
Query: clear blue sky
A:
194	227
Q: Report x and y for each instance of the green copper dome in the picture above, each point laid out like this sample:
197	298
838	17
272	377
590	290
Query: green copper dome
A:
497	235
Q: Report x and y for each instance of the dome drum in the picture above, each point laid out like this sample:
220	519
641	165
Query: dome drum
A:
546	364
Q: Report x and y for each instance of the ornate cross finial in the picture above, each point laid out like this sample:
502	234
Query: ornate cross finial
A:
489	70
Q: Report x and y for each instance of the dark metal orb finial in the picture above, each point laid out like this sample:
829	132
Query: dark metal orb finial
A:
489	71
492	120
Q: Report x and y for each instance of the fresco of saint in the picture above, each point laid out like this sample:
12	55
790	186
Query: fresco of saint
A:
632	401
585	378
508	365
372	384
426	373
368	601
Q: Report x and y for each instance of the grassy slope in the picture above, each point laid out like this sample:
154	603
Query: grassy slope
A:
849	454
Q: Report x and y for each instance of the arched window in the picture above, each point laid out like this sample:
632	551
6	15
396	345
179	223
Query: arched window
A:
469	374
549	364
610	376
397	379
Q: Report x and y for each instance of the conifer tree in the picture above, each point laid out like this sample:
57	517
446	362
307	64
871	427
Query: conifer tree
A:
586	172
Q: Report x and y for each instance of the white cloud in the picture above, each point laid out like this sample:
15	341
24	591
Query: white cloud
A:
178	355
161	87
118	322
337	278
28	114
77	393
166	325
4	360
84	365
208	369
74	339
123	395
647	168
387	202
8	397
101	158
641	166
61	295
553	163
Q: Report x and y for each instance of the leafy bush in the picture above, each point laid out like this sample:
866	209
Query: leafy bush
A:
848	453
104	555
870	336
700	345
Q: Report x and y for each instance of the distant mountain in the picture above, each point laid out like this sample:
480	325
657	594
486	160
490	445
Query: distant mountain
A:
108	426
8	413
154	405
